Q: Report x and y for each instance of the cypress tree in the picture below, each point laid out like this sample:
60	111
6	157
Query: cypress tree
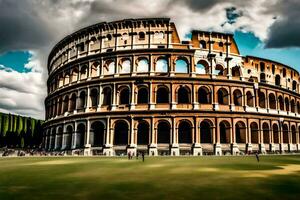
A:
33	124
20	127
5	124
0	123
25	125
15	123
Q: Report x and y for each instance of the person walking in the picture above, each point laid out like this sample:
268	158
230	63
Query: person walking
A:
143	156
257	156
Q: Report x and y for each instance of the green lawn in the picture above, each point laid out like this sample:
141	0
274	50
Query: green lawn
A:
61	178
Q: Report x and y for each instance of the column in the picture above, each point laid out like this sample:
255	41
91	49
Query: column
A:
87	150
214	98
132	103
194	98
100	98
151	103
174	139
88	100
153	144
132	146
114	104
197	149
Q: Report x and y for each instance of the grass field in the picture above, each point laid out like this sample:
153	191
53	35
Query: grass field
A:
275	177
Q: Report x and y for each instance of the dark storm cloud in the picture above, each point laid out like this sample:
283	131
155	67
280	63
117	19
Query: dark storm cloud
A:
285	32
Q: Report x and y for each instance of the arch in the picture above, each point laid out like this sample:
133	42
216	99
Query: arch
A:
59	137
183	95
181	66
298	107
293	106
266	133
240	132
73	102
275	134
80	135
66	79
83	72
162	95
287	104
121	133
223	96
125	66
109	67
285	133
206	132
143	133
94	96
294	135
52	141
185	132
143	97
66	104
235	71
68	138
94	69
163	132
97	134
162	65
250	97
107	96
262	99
294	85
74	75
219	70
224	130
202	44
204	95
82	97
237	97
143	65
141	36
277	80
272	101
124	96
254	133
281	103
202	67
262	77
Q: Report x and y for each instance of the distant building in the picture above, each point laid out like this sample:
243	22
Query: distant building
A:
133	85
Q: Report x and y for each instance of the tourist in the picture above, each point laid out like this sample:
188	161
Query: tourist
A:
257	157
143	156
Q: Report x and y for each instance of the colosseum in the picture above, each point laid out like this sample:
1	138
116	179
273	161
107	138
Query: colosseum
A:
132	85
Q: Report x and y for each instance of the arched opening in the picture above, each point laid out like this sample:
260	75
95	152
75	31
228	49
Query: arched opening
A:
222	96
143	65
143	133
281	103
143	95
262	77
262	99
59	138
250	99
298	107
254	133
81	103
204	95
83	72
219	70
97	134
125	66
94	69
181	66
94	97
206	132
272	101
66	104
235	71
80	136
202	44
106	96
275	134
162	65
73	102
185	132
163	132
277	80
237	97
141	35
124	96
74	75
294	135
121	133
224	129
266	133
285	133
240	132
109	67
67	79
293	106
68	137
162	95
183	96
202	67
287	104
294	85
52	142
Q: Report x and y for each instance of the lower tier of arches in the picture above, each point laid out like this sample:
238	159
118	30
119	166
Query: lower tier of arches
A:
173	135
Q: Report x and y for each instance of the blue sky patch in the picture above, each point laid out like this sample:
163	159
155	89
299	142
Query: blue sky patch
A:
15	60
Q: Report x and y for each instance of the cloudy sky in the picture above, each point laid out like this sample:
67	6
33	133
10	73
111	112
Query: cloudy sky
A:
29	28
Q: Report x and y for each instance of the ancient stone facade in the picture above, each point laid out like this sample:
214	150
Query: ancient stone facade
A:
133	85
